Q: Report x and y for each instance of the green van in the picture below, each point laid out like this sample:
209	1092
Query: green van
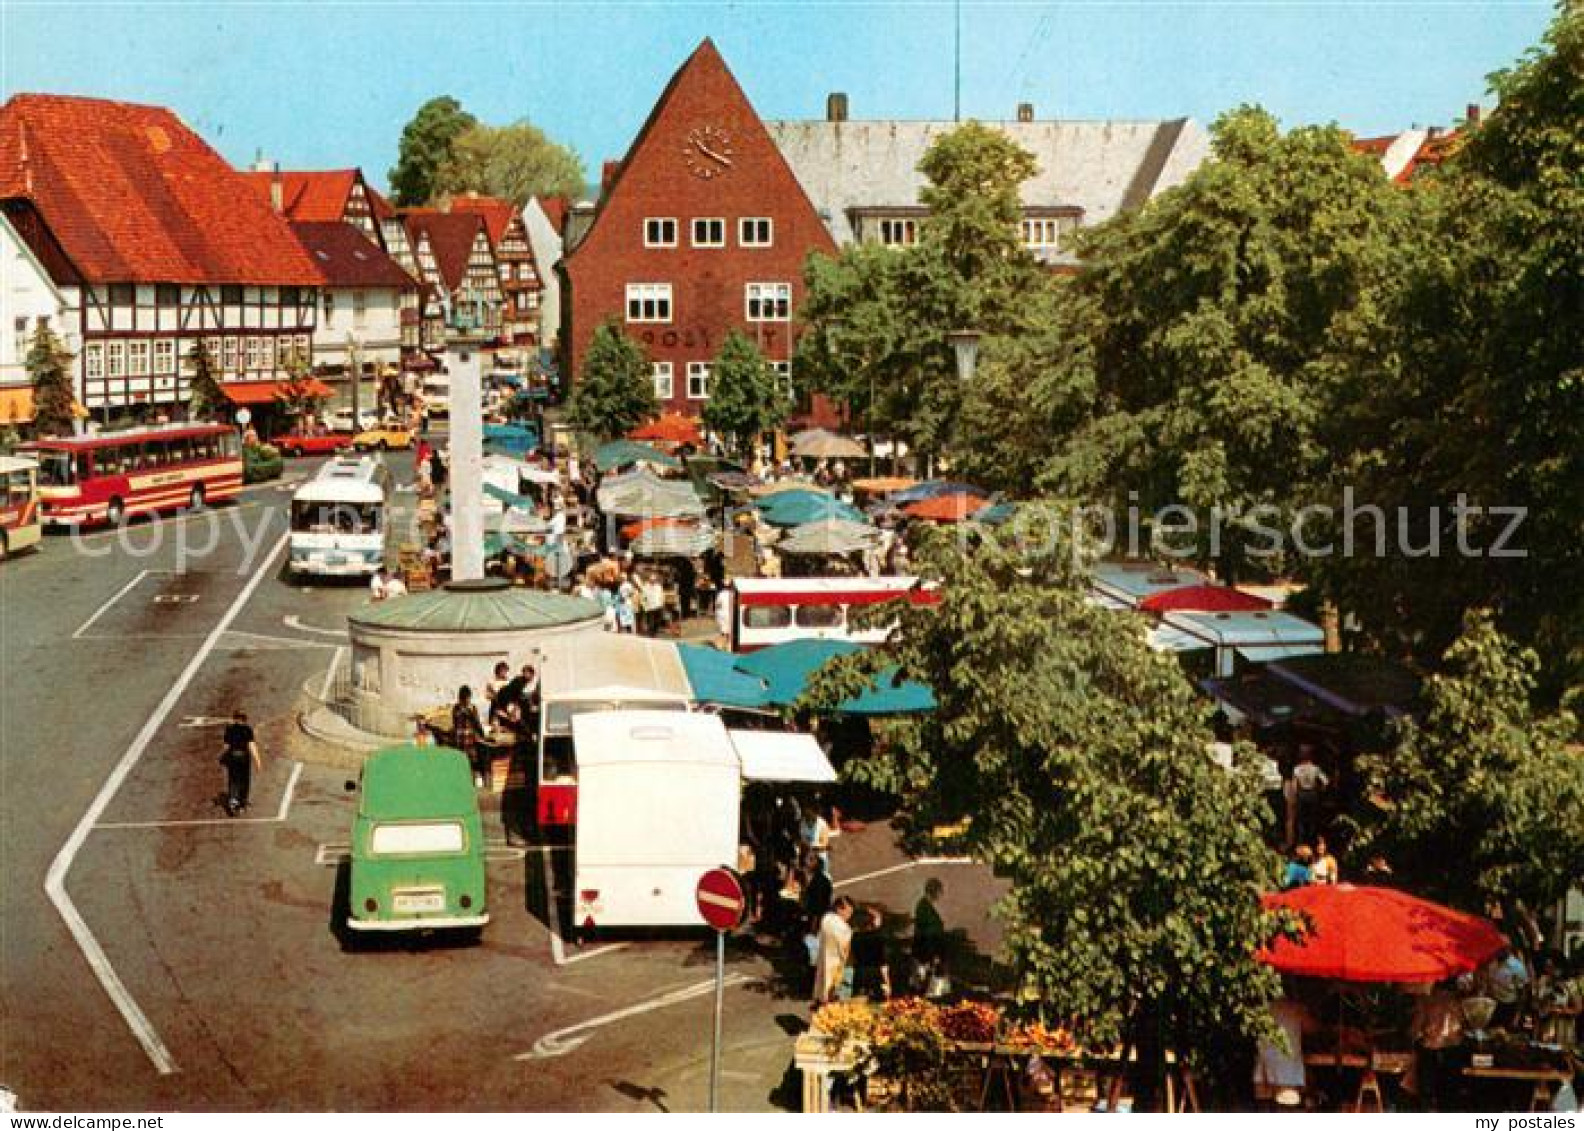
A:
417	844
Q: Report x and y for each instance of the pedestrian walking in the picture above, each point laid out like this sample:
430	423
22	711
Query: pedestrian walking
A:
833	951
929	936
240	758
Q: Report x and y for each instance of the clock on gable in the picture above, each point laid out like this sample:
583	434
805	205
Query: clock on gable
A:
708	152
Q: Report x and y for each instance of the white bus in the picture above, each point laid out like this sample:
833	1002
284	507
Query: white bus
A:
338	519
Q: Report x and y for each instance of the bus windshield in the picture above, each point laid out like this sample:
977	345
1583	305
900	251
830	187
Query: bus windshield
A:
57	469
336	518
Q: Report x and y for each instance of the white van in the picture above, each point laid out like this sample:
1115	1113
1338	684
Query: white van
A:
658	800
338	519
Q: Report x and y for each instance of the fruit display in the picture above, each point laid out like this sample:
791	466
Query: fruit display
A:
970	1022
1036	1036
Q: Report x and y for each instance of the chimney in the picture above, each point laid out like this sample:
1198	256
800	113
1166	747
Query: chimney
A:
836	107
1472	116
277	189
1025	112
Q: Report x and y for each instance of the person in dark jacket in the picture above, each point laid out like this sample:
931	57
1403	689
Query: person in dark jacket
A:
240	758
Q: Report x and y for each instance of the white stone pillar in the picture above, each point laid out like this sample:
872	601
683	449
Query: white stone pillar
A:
467	454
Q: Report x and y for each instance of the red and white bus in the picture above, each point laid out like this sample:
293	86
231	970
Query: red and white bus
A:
773	610
19	505
104	478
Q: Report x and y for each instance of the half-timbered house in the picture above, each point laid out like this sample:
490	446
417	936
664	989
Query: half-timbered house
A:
521	281
155	243
455	260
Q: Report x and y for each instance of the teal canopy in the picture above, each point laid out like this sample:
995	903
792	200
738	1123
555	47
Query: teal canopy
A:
787	668
510	439
510	498
994	514
798	508
620	453
715	678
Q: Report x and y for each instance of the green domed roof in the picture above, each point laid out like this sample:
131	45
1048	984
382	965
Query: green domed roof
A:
488	605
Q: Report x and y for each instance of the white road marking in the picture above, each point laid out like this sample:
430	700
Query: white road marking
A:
104	608
558	952
563	1041
895	868
330	673
263	640
278	819
192	721
55	880
292	621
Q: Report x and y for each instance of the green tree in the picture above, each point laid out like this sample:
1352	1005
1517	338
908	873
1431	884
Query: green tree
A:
206	400
1483	781
1488	405
746	398
425	146
1231	329
296	394
1080	758
513	162
49	369
878	318
614	392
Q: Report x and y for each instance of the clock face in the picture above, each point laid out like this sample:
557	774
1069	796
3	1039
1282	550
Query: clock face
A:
708	152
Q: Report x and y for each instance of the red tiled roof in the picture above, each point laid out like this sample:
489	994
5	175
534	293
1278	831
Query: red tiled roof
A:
497	213
133	195
346	257
309	196
451	236
378	205
555	210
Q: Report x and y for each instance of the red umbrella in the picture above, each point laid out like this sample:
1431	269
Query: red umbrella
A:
1204	599
1370	934
955	507
671	428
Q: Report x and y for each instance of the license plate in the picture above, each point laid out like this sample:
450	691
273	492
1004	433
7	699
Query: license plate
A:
418	902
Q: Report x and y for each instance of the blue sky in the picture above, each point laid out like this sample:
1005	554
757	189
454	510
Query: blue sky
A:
327	83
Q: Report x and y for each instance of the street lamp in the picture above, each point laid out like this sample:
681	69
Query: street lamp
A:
965	344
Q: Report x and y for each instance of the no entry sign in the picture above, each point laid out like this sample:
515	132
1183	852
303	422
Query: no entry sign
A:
720	899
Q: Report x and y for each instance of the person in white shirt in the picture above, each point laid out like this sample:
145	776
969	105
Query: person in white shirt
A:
379	585
395	587
832	950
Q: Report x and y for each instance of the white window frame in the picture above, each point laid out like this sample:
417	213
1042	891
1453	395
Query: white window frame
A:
783	370
93	361
230	357
655	231
165	355
778	295
115	359
698	379
137	358
897	231
664	380
659	294
744	230
1046	233
719	241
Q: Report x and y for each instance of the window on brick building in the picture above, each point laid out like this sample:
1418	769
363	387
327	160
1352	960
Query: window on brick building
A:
755	231
698	376
648	302
709	231
660	232
768	302
664	380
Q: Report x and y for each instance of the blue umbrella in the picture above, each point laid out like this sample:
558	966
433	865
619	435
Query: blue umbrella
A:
797	509
787	668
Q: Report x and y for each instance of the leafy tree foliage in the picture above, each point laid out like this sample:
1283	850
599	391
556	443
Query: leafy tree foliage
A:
877	318
49	368
206	400
513	162
615	391
1480	803
746	398
1081	758
425	147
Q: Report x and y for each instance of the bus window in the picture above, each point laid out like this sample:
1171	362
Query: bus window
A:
178	450
819	616
231	445
17	490
204	447
57	469
767	616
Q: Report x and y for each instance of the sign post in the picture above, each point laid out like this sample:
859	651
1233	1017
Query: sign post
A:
722	905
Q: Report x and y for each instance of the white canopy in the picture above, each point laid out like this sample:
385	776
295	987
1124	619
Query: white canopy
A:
780	756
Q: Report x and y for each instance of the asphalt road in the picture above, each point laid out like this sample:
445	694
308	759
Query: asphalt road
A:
118	656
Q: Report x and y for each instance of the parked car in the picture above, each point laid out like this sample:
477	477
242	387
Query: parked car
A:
437	394
417	844
384	437
341	420
312	443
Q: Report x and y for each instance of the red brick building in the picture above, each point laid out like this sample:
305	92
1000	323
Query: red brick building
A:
703	227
